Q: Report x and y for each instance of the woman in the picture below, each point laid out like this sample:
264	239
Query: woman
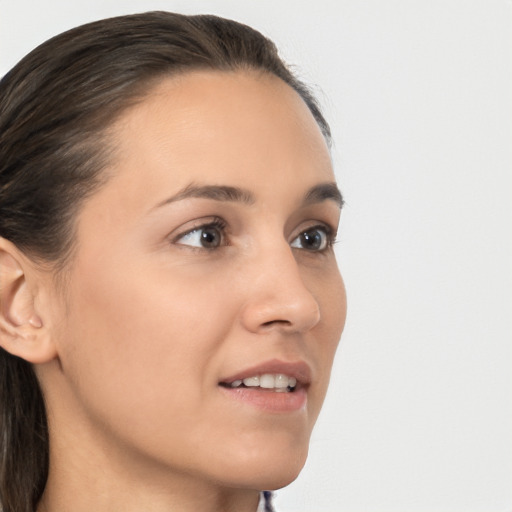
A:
168	284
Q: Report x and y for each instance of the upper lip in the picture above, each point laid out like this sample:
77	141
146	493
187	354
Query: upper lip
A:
300	370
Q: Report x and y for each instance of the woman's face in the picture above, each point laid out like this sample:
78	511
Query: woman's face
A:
205	260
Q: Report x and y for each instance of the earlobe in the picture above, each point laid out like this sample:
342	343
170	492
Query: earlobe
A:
22	330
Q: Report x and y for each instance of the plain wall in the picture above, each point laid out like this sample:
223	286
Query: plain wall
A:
419	96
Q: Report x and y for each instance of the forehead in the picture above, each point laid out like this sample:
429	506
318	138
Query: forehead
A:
238	128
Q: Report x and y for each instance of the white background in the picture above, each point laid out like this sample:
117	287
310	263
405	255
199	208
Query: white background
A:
419	96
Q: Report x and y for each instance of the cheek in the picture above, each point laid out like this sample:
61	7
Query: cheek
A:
336	305
331	295
328	288
137	356
142	336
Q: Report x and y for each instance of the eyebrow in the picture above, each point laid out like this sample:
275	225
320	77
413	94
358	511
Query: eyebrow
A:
215	192
317	194
324	192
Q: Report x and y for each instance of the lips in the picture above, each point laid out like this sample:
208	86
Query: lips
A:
273	387
272	374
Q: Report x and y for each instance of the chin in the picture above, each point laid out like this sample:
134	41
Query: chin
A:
278	479
269	469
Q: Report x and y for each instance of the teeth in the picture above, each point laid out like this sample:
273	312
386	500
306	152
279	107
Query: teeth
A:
252	382
279	382
267	381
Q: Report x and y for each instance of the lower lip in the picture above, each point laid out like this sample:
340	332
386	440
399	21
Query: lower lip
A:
270	401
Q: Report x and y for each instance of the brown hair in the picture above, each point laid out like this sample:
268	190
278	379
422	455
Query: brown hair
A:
55	107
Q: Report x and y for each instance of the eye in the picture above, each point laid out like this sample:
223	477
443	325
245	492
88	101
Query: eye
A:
314	239
207	236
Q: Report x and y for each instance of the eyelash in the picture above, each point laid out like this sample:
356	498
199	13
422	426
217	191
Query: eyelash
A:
216	223
220	225
329	233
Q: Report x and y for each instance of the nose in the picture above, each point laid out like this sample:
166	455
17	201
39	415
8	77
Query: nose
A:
277	296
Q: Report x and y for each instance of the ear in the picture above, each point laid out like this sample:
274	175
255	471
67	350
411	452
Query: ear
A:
22	330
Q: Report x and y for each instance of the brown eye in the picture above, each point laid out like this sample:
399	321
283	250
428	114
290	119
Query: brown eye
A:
315	239
209	236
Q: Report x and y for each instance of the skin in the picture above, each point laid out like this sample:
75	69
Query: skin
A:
151	321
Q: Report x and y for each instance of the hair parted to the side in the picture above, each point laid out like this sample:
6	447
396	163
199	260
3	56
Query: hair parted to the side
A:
56	106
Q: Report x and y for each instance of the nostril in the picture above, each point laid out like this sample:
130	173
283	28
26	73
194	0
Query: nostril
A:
276	322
